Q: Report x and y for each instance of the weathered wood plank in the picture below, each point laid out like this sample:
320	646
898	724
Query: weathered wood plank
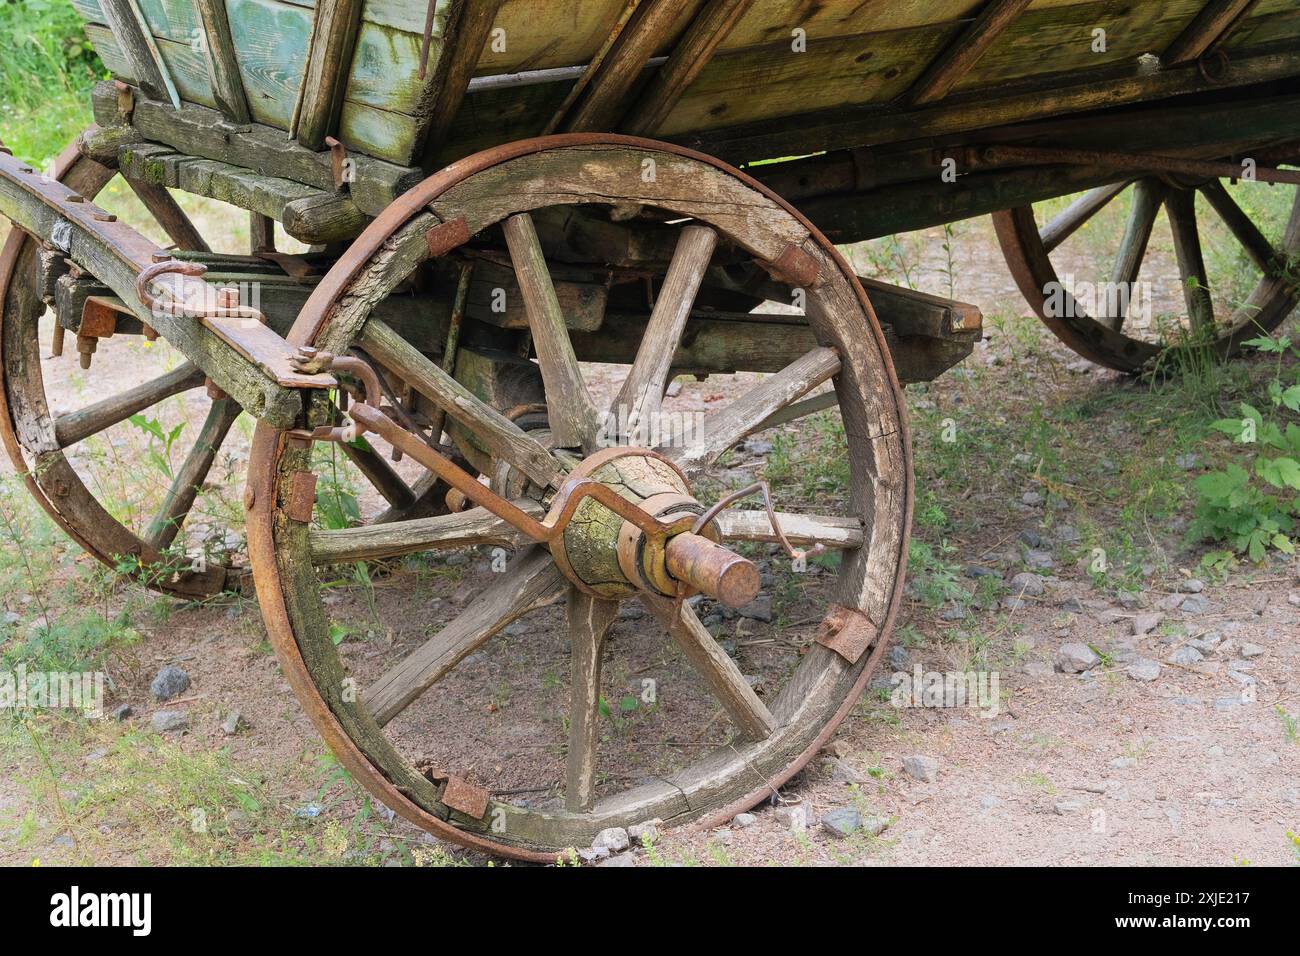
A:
81	424
373	542
590	619
1215	21
329	62
131	30
958	59
467	34
271	43
223	67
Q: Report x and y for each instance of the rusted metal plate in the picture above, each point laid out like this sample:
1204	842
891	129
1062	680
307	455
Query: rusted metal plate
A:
847	632
794	266
302	496
260	345
447	236
464	797
99	317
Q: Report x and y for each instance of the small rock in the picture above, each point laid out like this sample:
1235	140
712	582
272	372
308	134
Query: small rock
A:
614	839
1038	670
1123	763
1227	703
1031	498
122	712
517	629
1186	656
1031	538
792	816
1075	658
954	613
1068	805
645	833
230	726
1251	650
631	611
1144	669
925	769
1071	606
989	802
168	720
1039	560
899	659
840	772
1187	461
979	571
759	609
1194	604
625	859
1067	534
1191	586
1026	584
12	617
744	820
723	836
1146	623
593	854
674	389
170	682
755	446
841	822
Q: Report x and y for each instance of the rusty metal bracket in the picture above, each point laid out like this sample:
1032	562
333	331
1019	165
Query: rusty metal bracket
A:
338	162
125	100
464	797
447	236
795	267
302	496
847	632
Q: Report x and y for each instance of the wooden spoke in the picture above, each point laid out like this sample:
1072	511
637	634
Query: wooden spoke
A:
500	436
1072	217
801	530
957	60
1258	247
477	526
80	425
1148	194
752	718
642	391
589	621
573	417
532	581
189	478
170	215
1181	207
380	474
722	429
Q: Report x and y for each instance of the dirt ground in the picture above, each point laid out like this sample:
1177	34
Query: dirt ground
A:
1057	457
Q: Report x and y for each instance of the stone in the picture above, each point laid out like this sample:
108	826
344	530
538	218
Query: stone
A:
759	609
165	721
1026	584
923	768
1146	623
1071	606
169	682
723	836
122	712
840	772
1123	763
1250	650
1031	539
979	571
593	854
1191	586
230	726
1031	498
744	820
841	822
1067	805
1039	560
1075	658
1067	534
899	659
1186	656
614	839
1187	460
792	816
988	802
625	859
517	629
1144	669
631	611
645	833
1194	604
1038	670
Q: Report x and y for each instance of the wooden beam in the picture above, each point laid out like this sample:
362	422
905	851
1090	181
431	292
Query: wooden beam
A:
592	68
602	105
132	32
1215	21
329	63
223	68
468	29
692	53
963	53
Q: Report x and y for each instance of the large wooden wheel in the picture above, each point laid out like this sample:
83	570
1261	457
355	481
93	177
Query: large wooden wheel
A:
450	758
1218	311
88	466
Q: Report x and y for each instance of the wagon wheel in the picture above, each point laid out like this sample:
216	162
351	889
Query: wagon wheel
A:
449	761
1113	337
45	446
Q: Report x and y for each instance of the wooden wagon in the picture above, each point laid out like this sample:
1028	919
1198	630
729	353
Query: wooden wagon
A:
499	279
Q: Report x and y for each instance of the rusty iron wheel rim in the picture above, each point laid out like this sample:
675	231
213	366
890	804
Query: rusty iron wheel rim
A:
91	530
1031	267
269	447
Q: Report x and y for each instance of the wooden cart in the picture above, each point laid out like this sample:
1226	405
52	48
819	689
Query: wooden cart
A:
498	281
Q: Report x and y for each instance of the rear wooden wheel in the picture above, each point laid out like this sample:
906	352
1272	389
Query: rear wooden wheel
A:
410	716
122	491
1237	266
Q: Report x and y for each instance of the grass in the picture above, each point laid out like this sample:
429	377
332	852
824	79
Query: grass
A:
46	74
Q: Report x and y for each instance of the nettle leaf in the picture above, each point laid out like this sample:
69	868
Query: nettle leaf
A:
1291	398
1279	472
1266	344
1229	426
1283	544
627	704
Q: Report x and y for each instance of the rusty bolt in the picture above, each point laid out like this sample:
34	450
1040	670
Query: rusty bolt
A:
150	333
227	298
86	345
214	390
56	347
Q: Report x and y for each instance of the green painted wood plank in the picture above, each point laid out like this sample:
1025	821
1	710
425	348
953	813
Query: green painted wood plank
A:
271	42
110	51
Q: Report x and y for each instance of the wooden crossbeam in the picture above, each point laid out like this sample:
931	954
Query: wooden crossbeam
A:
962	54
1211	26
469	25
593	68
692	53
223	68
601	107
132	32
329	62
